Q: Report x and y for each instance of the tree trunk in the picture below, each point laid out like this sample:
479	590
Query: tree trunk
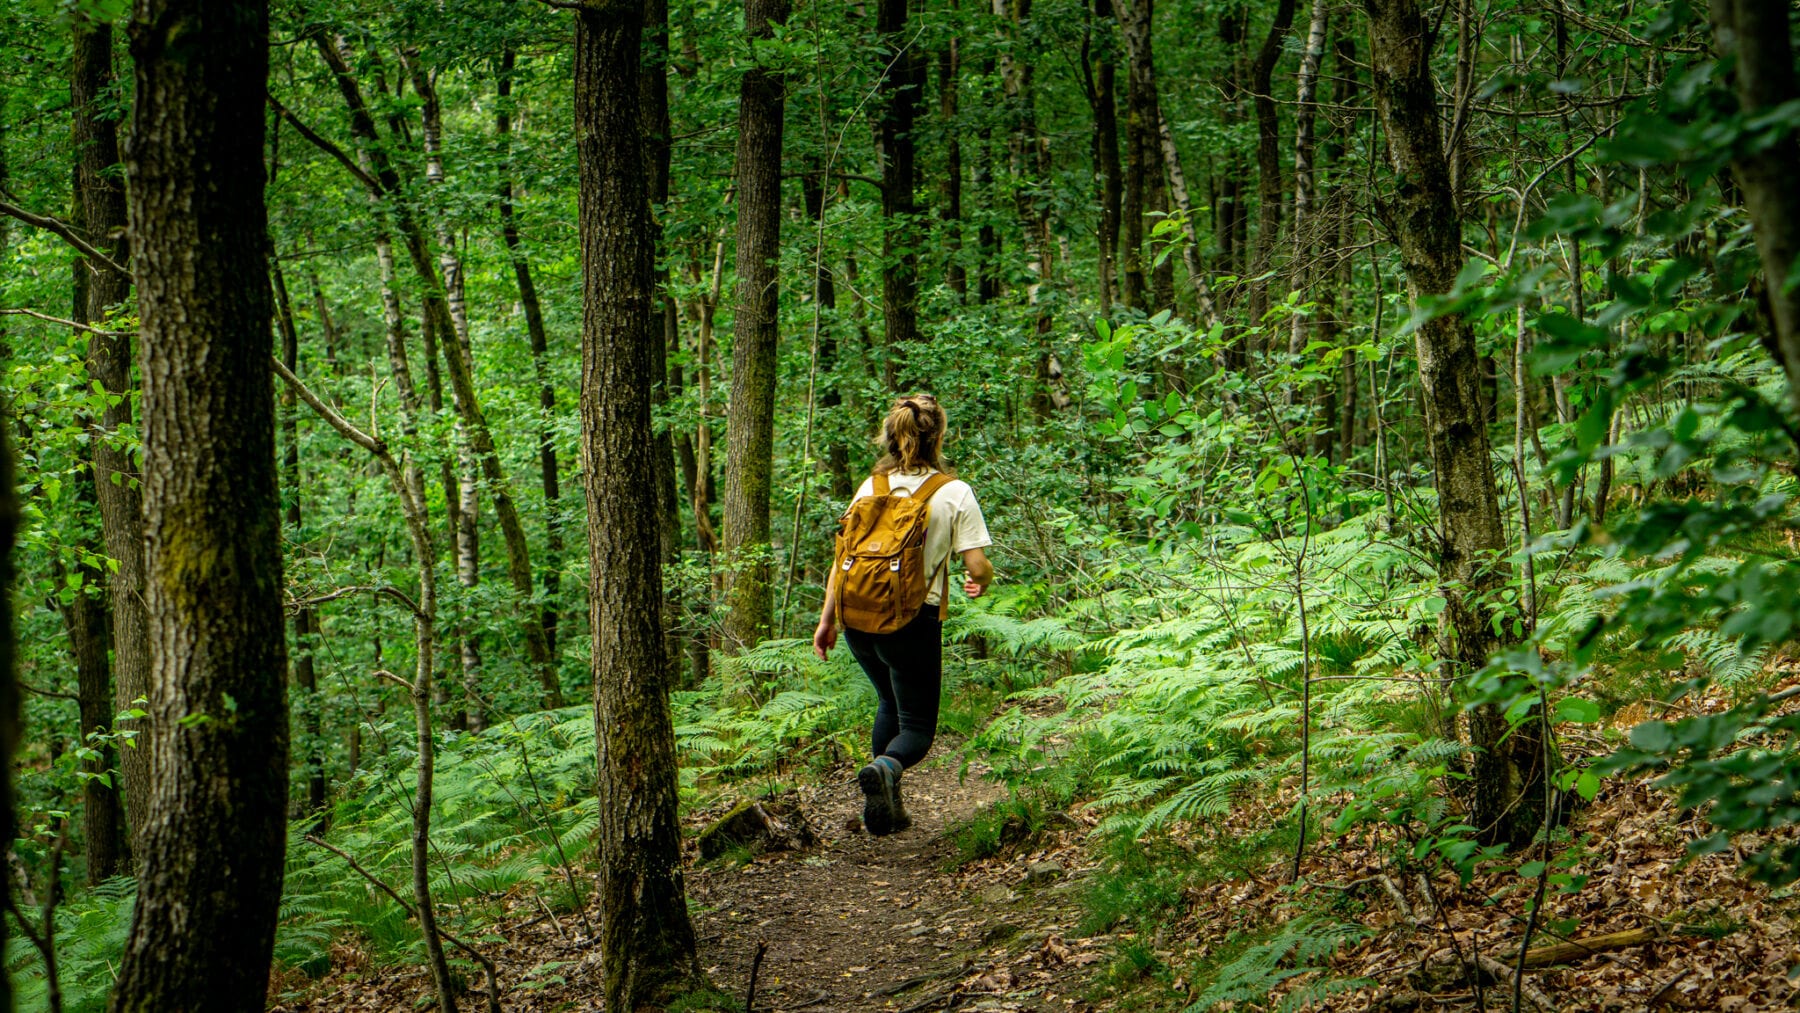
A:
1142	153
750	423
1506	800
9	687
1108	177
1758	33
897	152
949	79
100	214
103	217
1305	88
1207	310
540	350
1268	157
837	455
653	88
215	834
305	677
1031	168
646	940
459	358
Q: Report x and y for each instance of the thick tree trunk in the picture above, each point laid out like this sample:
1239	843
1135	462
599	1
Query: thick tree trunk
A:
215	835
1268	157
304	675
103	218
646	940
1505	797
1108	176
540	350
895	147
750	423
100	214
1759	34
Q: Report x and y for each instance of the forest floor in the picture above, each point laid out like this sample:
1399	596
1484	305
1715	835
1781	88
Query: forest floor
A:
910	923
853	923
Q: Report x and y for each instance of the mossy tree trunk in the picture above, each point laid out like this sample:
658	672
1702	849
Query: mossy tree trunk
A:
215	833
1505	793
750	422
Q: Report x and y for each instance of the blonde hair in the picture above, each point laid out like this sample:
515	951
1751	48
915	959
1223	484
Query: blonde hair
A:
912	436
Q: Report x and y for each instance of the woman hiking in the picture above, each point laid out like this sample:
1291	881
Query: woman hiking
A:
889	586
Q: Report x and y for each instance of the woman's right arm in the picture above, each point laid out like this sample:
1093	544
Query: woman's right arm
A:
825	637
980	572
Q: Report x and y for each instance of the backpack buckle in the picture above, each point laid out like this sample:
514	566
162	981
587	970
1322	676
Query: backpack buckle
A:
894	564
847	562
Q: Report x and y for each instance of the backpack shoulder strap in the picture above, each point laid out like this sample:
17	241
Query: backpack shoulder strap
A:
880	483
930	486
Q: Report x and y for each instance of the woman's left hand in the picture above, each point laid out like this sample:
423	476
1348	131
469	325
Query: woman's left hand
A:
973	588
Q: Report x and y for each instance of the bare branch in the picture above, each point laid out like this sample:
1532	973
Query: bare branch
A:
66	231
329	147
78	325
332	417
295	605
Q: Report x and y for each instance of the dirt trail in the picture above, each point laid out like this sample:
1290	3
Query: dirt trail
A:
859	923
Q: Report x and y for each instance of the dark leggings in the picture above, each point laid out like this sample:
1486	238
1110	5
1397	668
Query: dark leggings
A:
906	667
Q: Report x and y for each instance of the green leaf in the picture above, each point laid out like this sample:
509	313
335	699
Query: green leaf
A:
1577	710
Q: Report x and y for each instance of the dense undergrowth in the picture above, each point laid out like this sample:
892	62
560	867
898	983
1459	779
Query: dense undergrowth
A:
1158	682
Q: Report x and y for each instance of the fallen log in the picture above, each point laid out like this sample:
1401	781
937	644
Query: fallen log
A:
1580	949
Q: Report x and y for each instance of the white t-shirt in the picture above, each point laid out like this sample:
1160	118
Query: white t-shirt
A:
955	524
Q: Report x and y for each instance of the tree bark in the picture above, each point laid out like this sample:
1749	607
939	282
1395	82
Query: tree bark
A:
1758	34
305	677
215	834
103	217
100	214
1505	800
646	940
750	422
895	148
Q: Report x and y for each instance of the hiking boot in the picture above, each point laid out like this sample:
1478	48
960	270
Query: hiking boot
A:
880	783
901	820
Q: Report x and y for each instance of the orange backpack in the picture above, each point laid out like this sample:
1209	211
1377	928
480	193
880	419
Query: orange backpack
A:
880	567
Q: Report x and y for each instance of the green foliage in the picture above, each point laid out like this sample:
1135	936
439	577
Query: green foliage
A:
1294	951
91	927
